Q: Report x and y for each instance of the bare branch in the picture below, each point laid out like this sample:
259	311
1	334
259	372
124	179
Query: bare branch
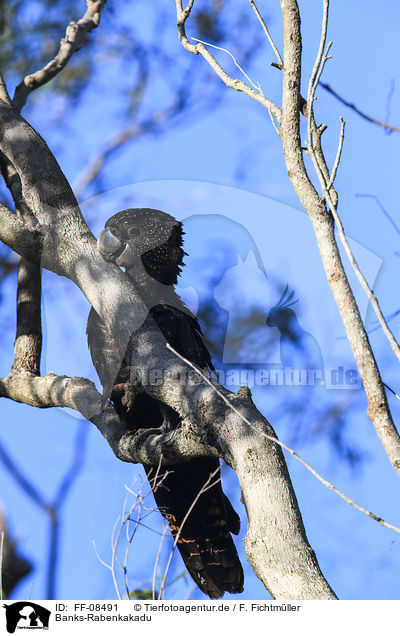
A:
319	62
292	452
382	208
314	135
353	107
80	394
234	83
28	341
371	295
267	33
19	236
209	428
327	183
52	508
116	142
338	155
220	48
378	408
72	42
3	90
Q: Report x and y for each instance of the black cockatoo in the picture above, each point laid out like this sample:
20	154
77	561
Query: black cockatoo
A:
148	244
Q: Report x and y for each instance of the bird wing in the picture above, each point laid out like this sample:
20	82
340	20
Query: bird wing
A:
201	522
183	332
204	534
105	354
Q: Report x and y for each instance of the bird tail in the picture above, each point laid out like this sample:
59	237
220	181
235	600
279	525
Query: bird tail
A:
201	519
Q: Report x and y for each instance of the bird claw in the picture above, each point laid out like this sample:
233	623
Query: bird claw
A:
129	397
166	427
125	393
141	435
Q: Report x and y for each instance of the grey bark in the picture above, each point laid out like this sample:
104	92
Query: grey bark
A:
323	224
276	543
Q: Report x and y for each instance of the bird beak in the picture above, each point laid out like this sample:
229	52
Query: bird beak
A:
108	244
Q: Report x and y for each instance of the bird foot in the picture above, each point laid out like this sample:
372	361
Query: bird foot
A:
166	426
126	393
142	434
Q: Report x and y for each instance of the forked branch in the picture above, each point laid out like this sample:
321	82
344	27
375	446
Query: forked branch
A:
323	223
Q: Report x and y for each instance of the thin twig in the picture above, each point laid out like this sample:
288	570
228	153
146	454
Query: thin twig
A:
314	132
324	60
124	520
287	448
267	33
130	538
199	48
391	390
364	284
70	44
107	565
220	48
353	107
273	122
338	155
114	544
315	73
153	587
314	79
384	211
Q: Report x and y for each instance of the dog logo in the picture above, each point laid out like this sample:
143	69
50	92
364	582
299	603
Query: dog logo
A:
26	615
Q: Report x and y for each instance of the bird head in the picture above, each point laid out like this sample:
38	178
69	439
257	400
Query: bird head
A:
144	235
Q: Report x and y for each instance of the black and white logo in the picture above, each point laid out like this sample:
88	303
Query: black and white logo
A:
26	615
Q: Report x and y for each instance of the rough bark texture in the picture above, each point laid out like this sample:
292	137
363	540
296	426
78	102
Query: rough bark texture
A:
276	543
28	340
323	223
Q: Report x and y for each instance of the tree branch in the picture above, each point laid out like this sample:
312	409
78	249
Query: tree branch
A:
378	408
28	341
72	42
209	426
292	105
131	132
20	237
267	33
236	84
353	107
3	90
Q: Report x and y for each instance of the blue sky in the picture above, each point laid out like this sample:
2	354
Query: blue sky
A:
230	165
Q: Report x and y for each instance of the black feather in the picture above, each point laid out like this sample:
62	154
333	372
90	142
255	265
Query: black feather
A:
153	261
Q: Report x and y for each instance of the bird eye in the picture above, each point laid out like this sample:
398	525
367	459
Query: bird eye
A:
133	231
